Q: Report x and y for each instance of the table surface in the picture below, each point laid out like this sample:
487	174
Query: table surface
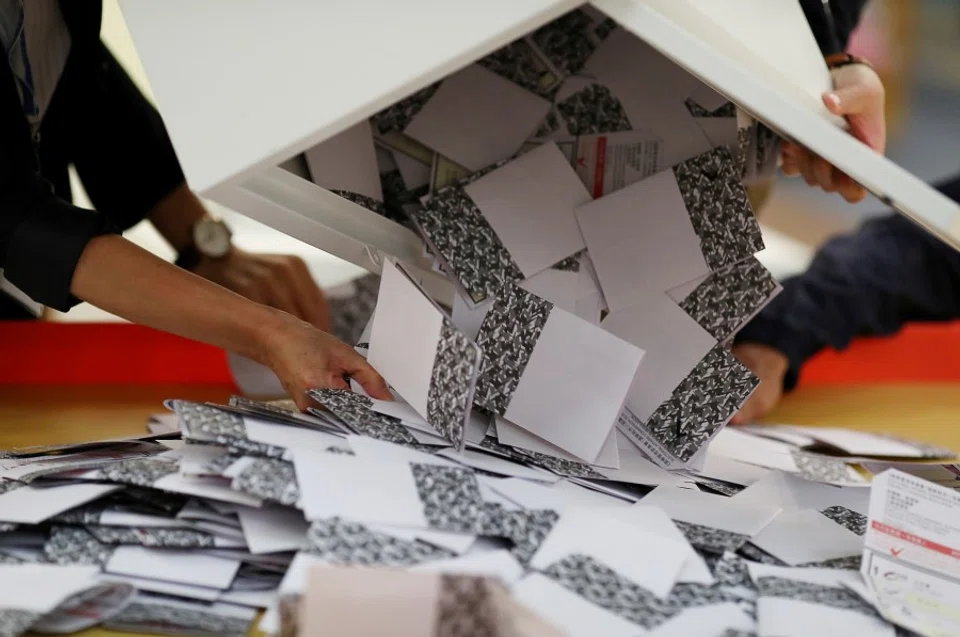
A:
50	414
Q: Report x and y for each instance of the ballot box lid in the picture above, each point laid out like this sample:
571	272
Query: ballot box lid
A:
242	86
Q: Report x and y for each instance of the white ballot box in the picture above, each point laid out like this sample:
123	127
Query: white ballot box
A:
246	86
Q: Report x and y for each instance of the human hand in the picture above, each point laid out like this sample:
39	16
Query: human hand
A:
279	281
858	95
770	366
304	357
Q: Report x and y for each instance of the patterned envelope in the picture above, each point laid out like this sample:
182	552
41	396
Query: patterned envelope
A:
675	226
423	356
553	373
502	225
726	300
697	409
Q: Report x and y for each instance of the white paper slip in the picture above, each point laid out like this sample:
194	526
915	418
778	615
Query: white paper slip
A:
346	164
501	466
530	202
476	118
790	491
212	488
738	443
607	162
552	373
782	433
862	443
39	588
499	563
195	458
510	434
636	467
720	467
704	515
806	536
417	349
289	437
652	561
32	505
567	610
354	488
374	451
179	566
203	593
795	602
273	529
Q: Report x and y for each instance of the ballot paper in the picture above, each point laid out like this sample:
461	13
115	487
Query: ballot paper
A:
911	559
475	117
419	351
607	162
866	444
553	373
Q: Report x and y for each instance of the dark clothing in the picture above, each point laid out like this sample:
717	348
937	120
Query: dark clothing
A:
99	122
868	283
846	15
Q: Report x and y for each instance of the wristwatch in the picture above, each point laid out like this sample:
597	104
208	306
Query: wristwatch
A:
837	60
211	239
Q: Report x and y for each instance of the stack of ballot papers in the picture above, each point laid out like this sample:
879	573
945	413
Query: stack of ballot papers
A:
557	442
256	506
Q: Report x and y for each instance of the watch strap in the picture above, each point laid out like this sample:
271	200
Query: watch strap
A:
188	258
838	60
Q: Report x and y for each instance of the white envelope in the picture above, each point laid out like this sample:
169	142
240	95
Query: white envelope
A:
477	118
530	202
650	560
806	536
567	610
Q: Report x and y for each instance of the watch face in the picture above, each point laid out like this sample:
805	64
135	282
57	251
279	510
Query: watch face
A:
212	238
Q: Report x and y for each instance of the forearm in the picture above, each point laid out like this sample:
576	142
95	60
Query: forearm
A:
175	215
867	283
120	277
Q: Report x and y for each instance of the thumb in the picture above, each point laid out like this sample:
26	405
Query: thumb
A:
850	100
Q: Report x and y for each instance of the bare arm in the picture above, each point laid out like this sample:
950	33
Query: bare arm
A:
119	277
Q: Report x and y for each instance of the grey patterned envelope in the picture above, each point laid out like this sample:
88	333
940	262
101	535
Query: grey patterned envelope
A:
348	543
847	518
602	585
701	404
166	615
201	422
521	336
728	298
719	208
465	243
270	479
406	314
356	412
568	41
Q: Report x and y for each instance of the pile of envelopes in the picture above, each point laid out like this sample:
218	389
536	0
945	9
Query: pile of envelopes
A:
559	428
228	509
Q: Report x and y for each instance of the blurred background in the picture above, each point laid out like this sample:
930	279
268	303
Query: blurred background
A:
914	43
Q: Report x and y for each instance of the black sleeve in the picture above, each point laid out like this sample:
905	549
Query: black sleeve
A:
868	283
41	236
846	16
116	140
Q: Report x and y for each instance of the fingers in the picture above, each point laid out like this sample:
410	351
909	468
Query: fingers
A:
851	99
357	368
